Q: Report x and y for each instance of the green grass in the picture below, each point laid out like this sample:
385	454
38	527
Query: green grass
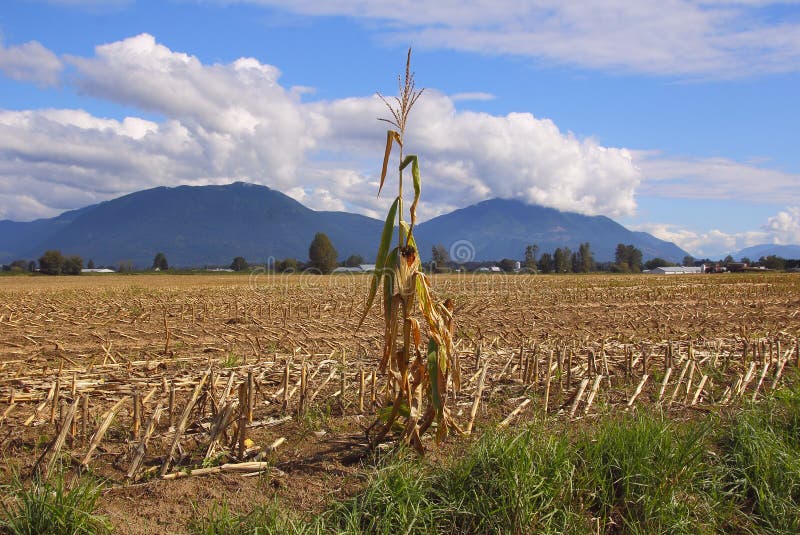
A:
264	520
399	498
646	474
631	473
231	361
512	483
52	507
763	447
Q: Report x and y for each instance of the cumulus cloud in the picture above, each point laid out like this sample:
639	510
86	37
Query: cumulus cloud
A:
30	62
712	243
319	198
785	227
238	114
468	157
695	38
235	121
782	229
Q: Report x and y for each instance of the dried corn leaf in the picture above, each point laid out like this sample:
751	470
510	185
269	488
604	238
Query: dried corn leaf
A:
391	136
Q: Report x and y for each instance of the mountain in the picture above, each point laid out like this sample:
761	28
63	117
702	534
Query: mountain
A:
757	251
16	237
200	225
195	226
501	228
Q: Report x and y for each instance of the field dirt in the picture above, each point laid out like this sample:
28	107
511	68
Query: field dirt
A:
213	352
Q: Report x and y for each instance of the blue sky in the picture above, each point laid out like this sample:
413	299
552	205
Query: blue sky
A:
676	117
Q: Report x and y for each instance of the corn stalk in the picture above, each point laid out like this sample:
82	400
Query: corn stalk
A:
418	376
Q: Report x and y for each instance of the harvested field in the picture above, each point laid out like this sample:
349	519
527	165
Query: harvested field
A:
143	377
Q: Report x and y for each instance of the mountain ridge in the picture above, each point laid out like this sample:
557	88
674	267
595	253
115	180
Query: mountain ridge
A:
209	225
755	252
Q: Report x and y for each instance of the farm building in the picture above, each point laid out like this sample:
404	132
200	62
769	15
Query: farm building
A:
361	268
675	270
97	270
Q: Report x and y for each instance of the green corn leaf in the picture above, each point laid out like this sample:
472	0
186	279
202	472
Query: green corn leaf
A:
380	260
442	362
391	136
384	413
414	161
412	242
433	372
404	227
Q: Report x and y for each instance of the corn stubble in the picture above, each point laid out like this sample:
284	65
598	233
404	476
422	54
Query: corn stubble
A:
419	377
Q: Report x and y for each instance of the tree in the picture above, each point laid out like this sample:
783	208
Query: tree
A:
773	262
657	262
51	262
575	263
160	262
561	259
585	258
508	265
72	265
621	255
18	266
530	256
90	265
635	259
546	263
322	254
440	256
628	258
688	260
727	260
239	264
32	266
746	260
354	260
287	265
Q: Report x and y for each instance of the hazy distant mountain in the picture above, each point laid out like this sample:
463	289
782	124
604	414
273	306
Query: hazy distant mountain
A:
200	225
503	228
757	251
17	237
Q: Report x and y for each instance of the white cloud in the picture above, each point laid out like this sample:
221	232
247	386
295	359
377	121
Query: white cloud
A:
237	116
225	122
475	95
30	62
316	198
467	157
712	243
783	228
695	38
715	178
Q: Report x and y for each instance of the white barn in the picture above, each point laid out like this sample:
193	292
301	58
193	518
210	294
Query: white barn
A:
676	270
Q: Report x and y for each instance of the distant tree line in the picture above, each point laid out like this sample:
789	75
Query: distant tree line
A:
627	259
52	262
323	258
